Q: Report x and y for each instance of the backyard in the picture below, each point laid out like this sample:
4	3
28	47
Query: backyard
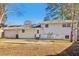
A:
19	47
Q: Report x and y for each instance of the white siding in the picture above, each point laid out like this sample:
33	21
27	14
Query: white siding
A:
10	34
43	36
26	35
58	32
0	34
1	31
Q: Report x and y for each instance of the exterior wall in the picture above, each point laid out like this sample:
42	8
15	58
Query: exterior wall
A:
44	36
1	31
29	33
0	34
26	35
56	31
52	32
10	34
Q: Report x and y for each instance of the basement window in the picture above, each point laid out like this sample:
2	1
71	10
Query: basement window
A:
67	37
23	30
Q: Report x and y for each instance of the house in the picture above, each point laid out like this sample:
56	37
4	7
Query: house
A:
59	29
11	32
21	32
55	29
1	31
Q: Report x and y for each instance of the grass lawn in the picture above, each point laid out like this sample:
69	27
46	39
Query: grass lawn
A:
37	48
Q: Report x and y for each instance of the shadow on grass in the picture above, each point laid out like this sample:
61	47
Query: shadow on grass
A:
73	50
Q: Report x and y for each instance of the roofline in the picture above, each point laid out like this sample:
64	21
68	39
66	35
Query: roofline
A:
59	21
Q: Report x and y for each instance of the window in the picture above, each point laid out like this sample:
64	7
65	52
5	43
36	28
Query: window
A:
0	26
78	25
16	36
37	31
66	25
23	30
46	25
67	36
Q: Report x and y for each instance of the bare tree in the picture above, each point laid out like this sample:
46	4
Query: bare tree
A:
2	10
